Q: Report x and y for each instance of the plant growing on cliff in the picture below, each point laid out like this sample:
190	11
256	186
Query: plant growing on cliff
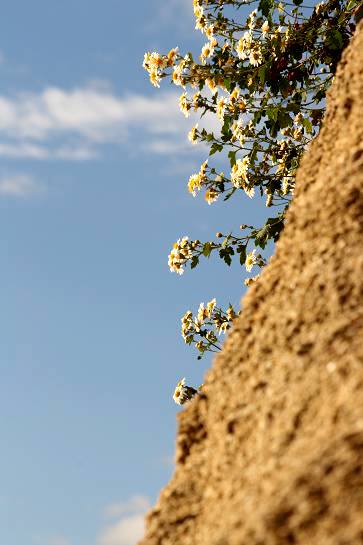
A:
265	76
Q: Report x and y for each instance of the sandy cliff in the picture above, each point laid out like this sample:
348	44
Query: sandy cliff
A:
272	452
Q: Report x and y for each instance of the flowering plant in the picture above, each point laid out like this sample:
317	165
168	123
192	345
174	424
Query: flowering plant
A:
264	75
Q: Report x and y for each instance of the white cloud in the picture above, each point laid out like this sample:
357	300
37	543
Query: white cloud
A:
164	146
34	151
178	13
36	117
135	504
41	125
77	153
75	124
20	185
23	150
129	529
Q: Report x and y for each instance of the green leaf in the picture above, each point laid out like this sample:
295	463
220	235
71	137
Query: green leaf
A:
227	84
226	242
264	7
272	113
308	126
225	254
227	259
352	4
229	195
257	117
194	262
293	107
262	237
271	230
284	119
284	87
242	250
262	74
253	154
207	248
214	148
232	157
226	124
276	225
319	96
334	39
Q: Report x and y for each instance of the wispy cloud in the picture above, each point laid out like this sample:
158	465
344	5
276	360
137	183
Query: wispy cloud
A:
128	531
166	15
75	124
23	150
133	505
20	185
129	528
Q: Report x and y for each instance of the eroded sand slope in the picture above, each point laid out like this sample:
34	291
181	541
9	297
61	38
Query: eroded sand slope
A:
272	452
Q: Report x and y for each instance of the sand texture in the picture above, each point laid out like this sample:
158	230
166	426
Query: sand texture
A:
272	452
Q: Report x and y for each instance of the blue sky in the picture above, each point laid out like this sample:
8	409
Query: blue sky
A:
93	170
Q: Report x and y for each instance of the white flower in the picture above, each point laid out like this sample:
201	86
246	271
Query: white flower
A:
192	135
244	45
183	393
211	195
251	260
249	190
265	27
223	327
179	255
255	56
207	51
202	313
221	108
239	172
320	7
184	105
210	306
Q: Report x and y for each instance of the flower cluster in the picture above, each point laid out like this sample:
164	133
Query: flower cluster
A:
183	393
155	64
181	252
203	328
265	78
186	251
239	176
197	180
246	48
273	69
